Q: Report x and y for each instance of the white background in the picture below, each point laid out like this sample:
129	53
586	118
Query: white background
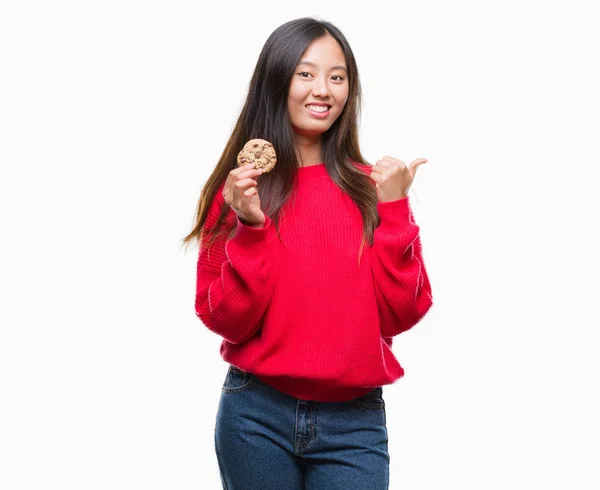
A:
112	116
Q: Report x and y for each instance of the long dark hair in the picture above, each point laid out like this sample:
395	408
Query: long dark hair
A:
265	115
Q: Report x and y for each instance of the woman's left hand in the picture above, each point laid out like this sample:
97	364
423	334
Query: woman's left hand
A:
393	178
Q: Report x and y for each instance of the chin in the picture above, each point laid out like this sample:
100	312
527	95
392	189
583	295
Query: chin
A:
311	130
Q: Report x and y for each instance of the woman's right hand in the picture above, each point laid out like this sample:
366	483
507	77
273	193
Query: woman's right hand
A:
241	193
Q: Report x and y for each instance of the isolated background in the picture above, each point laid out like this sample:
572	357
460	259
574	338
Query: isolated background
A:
112	116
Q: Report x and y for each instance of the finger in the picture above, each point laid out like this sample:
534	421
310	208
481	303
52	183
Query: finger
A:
376	177
232	184
246	166
393	160
386	163
250	192
244	183
380	166
234	180
242	169
250	172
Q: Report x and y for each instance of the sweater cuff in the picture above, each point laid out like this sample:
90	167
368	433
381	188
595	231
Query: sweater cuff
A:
248	235
396	211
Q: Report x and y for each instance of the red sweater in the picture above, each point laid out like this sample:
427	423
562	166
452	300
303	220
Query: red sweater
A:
302	315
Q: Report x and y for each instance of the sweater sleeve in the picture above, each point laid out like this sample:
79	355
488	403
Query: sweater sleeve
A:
402	286
236	278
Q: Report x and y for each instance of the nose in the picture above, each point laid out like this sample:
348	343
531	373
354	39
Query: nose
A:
320	88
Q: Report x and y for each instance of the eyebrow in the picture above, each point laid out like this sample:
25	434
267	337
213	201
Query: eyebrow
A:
336	67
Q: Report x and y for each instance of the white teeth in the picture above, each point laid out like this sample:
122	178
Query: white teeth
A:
317	108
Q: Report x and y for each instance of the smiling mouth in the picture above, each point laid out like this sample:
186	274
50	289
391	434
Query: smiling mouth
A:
318	109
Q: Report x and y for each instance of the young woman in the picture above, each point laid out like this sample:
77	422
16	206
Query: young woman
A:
307	272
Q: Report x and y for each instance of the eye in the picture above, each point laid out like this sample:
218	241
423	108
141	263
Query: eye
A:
304	73
340	78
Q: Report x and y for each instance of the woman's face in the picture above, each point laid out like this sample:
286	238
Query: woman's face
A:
319	88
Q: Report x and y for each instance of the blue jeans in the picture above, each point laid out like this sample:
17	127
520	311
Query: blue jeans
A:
268	440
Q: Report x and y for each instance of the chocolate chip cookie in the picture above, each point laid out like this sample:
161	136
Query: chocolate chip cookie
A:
259	152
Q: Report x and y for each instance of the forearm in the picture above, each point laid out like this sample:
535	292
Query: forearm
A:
402	286
234	287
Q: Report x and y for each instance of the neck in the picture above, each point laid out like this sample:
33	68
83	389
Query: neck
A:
308	149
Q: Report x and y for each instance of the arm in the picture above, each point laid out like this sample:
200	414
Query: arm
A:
402	286
235	278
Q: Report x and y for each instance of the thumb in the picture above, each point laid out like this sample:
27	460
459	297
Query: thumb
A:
414	164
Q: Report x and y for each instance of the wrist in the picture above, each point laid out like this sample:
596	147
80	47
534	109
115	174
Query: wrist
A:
403	196
250	224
